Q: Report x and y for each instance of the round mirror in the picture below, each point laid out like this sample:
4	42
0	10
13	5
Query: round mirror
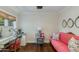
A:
70	23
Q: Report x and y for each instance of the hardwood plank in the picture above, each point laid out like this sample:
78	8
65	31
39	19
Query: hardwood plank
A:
31	47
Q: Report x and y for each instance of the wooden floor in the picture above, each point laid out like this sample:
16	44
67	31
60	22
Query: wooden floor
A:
36	48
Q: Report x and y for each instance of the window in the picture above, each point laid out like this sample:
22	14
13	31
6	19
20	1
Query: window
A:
1	21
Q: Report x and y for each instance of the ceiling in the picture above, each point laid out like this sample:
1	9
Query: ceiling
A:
34	9
14	10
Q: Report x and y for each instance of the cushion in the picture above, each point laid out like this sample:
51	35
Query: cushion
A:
76	37
64	37
59	46
73	45
55	36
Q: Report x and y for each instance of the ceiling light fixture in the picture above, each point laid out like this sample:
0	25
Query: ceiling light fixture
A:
39	7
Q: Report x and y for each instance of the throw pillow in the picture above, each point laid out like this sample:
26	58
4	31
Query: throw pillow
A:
55	36
73	45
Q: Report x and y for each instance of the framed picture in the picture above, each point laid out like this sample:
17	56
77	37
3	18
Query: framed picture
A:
70	23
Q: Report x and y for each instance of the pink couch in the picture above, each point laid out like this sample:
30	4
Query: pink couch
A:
61	44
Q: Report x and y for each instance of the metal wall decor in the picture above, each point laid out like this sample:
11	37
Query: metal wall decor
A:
70	23
77	22
64	23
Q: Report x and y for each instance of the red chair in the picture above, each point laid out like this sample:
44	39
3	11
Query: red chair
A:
15	45
42	36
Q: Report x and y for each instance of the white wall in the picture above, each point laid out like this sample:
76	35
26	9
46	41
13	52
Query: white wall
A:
69	12
31	20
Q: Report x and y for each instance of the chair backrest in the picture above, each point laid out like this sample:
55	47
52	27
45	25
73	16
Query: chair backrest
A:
17	41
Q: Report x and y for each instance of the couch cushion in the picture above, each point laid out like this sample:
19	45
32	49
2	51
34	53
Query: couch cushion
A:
59	46
65	37
76	37
73	45
55	36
